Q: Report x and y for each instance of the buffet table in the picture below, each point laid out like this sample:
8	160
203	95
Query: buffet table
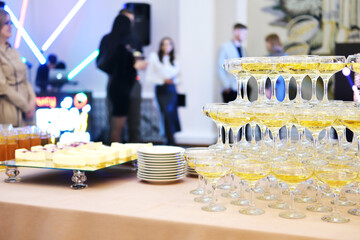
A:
119	206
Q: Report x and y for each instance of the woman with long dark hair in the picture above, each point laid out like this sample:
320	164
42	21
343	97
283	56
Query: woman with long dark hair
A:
122	73
163	70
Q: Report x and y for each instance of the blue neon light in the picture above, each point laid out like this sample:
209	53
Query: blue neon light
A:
26	36
83	64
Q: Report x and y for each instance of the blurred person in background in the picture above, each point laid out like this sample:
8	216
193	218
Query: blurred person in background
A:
134	115
275	49
42	74
231	49
163	70
17	97
121	67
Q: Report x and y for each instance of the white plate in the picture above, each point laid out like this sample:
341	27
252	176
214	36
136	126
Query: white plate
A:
165	175
160	168
161	176
160	150
160	157
160	180
161	172
160	162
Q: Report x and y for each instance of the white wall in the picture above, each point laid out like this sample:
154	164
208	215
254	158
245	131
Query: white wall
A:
197	27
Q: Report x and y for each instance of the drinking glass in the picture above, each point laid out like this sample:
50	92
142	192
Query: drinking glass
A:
212	166
190	155
3	148
210	110
315	119
35	135
12	143
24	138
292	171
279	203
251	169
299	67
234	67
259	68
337	174
329	65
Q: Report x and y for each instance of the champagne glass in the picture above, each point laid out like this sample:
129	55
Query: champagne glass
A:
274	117
233	66
274	75
210	110
353	62
190	156
337	174
235	117
259	68
292	171
279	203
251	169
315	119
212	166
329	65
299	67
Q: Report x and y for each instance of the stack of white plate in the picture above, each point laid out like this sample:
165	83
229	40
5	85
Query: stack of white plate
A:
161	163
190	170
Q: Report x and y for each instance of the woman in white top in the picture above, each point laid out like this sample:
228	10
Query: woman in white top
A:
163	70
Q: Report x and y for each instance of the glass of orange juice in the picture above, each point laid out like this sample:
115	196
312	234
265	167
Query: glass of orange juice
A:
3	149
24	138
35	136
12	143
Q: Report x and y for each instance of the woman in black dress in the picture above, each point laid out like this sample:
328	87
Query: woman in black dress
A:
123	74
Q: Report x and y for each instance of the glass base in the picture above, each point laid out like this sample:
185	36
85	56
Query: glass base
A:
198	191
230	195
213	208
12	180
251	211
292	214
203	199
78	186
355	212
267	197
319	207
335	218
240	202
327	194
353	191
224	186
217	146
345	203
279	205
305	199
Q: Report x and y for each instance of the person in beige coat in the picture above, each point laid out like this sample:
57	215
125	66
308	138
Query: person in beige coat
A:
17	97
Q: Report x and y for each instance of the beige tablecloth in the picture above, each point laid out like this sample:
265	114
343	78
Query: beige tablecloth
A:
119	206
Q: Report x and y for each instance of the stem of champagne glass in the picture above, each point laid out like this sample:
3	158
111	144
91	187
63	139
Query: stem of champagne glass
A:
227	130
313	83
273	89
288	131
298	89
292	199
280	192
326	83
238	95
243	136
213	200
244	85
200	180
252	196
275	136
287	83
262	137
219	140
235	137
316	139
340	139
253	141
336	203
318	195
358	144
